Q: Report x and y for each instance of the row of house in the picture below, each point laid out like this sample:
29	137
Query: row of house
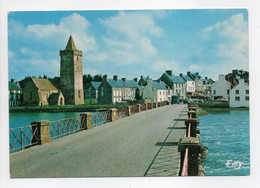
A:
121	90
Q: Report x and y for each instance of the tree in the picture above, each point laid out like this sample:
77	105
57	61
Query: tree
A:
44	76
98	78
87	78
23	82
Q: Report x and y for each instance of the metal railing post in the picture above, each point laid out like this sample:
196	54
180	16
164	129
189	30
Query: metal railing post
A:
192	123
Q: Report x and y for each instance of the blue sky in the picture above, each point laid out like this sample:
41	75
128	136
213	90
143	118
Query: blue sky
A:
130	43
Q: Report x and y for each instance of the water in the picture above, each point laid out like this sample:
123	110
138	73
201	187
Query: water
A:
226	134
24	119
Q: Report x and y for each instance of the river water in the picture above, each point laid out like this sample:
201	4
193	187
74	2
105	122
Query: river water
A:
226	134
24	119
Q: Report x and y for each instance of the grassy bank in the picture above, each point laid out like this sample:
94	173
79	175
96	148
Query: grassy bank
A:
65	108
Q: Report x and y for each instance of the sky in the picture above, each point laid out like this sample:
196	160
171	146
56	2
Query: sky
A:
130	43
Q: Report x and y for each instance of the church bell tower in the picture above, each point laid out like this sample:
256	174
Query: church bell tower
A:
71	81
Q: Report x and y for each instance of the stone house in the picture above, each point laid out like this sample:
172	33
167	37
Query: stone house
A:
112	91
15	94
190	84
91	90
176	83
38	91
157	91
199	87
239	95
221	88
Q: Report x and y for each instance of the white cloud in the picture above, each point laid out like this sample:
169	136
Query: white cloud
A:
194	67
129	37
232	45
160	66
52	34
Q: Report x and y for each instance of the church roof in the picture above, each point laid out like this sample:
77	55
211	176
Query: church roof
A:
41	83
71	45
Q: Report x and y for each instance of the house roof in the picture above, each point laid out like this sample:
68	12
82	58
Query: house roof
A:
94	84
176	79
187	78
121	83
134	84
159	85
194	76
13	86
41	83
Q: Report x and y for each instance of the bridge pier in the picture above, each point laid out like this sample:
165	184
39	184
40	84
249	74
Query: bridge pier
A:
42	131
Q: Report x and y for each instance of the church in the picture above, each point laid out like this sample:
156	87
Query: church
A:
68	89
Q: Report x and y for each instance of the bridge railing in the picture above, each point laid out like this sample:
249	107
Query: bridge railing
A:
190	146
22	137
122	112
64	127
99	118
134	109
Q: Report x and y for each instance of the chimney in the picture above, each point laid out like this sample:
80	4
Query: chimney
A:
142	77
188	73
197	73
12	80
169	72
206	77
115	77
105	77
135	79
181	75
124	79
147	77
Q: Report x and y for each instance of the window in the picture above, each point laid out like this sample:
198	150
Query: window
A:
247	98
228	91
79	94
160	92
247	91
214	92
237	91
237	98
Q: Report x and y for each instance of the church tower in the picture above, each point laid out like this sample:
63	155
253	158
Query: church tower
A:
71	81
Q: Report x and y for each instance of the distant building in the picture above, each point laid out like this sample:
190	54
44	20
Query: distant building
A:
112	91
15	93
176	83
91	90
157	91
41	92
221	88
199	88
207	82
239	95
190	84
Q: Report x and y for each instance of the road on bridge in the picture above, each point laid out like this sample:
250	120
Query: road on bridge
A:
144	144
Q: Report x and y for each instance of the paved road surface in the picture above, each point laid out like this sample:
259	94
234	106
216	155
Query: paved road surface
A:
144	144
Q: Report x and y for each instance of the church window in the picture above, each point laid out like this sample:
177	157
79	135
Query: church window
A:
79	93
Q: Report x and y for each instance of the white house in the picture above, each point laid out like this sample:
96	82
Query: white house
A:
157	91
190	84
239	95
221	88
